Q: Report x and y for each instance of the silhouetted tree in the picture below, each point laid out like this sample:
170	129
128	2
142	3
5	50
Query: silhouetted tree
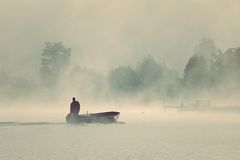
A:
150	80
206	48
55	59
149	72
195	73
124	80
225	69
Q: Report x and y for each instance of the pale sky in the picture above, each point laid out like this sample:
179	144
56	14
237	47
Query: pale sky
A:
108	33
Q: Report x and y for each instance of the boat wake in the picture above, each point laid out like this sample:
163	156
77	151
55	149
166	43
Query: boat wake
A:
2	124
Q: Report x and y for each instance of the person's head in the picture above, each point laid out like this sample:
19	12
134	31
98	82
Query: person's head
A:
73	99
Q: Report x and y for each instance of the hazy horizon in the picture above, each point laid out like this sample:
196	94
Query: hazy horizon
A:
170	68
109	39
106	34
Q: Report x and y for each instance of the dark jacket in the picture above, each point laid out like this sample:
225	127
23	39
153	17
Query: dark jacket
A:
75	107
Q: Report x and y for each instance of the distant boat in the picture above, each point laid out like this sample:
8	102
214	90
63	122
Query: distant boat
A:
103	117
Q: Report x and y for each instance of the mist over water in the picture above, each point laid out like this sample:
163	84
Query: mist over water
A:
171	68
113	50
145	134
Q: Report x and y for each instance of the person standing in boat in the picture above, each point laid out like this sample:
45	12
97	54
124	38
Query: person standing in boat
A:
74	107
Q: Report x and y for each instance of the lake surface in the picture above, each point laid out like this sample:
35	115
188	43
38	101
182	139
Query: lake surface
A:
172	137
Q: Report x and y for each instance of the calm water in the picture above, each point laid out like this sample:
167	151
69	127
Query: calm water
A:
163	139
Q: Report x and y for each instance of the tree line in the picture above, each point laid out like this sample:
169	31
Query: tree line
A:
208	71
